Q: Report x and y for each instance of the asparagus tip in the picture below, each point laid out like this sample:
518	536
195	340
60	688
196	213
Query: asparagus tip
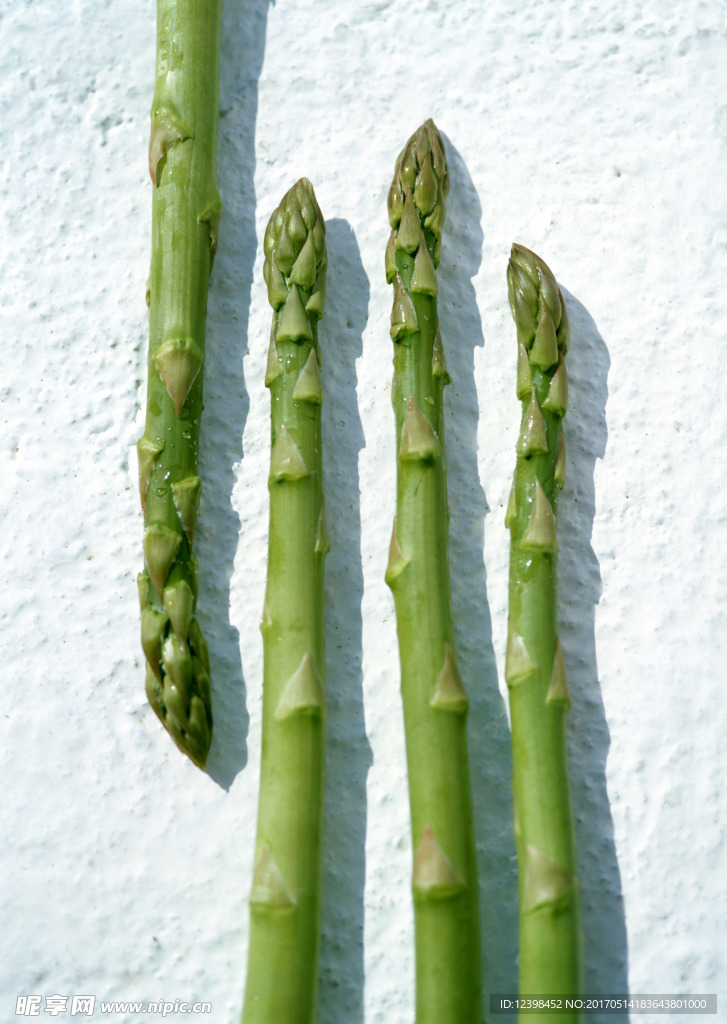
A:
295	262
530	279
420	186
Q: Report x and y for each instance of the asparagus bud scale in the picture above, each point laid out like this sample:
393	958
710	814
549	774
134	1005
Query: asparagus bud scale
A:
185	216
282	969
444	878
550	956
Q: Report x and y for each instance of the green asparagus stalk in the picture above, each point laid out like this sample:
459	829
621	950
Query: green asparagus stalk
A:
282	973
444	878
185	216
550	940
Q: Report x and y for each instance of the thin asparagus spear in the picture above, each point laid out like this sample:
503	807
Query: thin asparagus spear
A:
444	879
185	216
282	973
550	941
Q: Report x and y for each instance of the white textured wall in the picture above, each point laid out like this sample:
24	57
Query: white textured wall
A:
592	132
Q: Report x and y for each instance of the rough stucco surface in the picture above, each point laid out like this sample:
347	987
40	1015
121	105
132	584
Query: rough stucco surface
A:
595	134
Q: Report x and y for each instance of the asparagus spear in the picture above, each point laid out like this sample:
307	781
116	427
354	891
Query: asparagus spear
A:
550	941
185	217
444	879
282	972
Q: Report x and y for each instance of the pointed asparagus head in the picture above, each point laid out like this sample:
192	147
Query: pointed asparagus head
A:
181	697
295	261
419	189
537	306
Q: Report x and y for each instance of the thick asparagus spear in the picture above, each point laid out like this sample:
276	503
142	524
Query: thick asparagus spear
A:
282	973
550	942
444	877
185	216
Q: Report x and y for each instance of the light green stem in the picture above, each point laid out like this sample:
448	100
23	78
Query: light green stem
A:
282	971
185	217
444	878
550	940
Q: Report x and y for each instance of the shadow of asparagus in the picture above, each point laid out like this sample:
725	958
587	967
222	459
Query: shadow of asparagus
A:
348	754
226	398
489	733
579	590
